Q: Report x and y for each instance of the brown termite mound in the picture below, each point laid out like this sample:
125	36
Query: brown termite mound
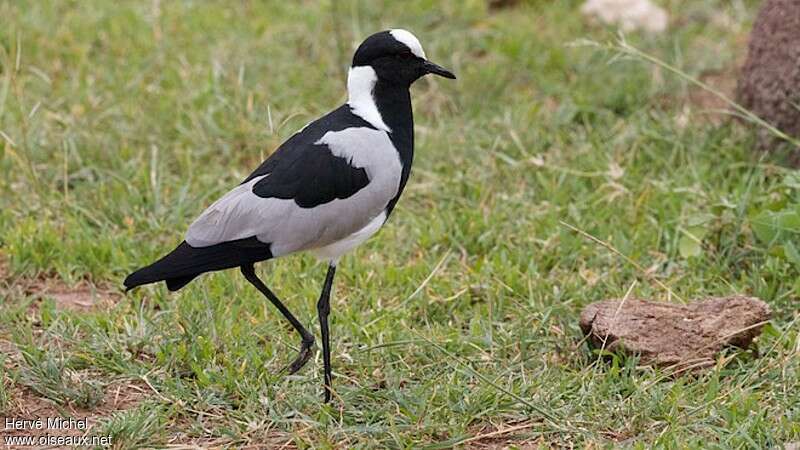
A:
769	84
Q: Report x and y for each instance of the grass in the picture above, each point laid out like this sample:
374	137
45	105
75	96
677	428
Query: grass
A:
547	177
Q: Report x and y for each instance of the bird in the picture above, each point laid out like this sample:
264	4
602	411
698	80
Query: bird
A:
325	190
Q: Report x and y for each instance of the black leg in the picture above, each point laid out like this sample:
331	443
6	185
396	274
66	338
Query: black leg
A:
307	343
323	309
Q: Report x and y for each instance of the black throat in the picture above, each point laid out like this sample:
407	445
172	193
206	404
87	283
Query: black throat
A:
394	105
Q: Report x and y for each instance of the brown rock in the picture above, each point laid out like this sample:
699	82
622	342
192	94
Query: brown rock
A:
769	84
666	334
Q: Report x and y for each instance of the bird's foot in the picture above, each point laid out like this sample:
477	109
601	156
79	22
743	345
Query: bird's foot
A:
306	350
327	394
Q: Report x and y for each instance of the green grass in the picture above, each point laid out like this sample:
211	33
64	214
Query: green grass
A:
121	122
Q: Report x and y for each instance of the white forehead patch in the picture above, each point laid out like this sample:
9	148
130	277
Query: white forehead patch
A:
409	40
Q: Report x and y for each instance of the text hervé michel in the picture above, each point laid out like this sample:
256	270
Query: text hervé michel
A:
41	423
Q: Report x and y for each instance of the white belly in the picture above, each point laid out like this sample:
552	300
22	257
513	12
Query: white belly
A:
333	251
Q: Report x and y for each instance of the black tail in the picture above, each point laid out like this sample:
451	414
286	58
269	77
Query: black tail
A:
185	263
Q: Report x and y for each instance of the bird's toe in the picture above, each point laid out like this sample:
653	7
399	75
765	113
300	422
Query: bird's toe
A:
306	351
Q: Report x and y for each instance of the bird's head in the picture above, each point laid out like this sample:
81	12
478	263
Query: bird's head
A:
396	56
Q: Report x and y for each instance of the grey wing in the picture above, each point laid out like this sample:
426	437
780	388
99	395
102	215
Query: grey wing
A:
342	200
239	214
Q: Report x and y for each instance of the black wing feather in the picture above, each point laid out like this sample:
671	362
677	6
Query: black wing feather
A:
309	173
316	178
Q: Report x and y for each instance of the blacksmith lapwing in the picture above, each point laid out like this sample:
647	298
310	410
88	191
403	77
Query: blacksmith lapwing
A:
325	190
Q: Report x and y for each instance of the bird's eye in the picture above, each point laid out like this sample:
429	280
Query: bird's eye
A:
406	55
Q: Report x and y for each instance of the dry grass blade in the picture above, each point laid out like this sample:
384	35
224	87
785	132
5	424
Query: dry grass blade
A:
554	421
624	48
627	259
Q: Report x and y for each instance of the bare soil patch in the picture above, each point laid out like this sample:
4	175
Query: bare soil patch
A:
256	439
507	435
26	405
10	354
81	296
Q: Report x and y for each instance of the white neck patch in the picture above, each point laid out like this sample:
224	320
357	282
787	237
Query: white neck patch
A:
360	84
409	40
